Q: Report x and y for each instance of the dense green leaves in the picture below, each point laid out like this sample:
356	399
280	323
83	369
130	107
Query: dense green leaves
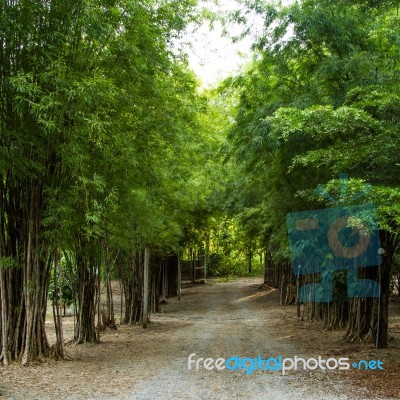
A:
321	99
99	142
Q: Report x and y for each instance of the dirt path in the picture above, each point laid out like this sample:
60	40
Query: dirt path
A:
218	320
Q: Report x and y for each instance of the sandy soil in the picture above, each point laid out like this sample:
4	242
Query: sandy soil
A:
213	320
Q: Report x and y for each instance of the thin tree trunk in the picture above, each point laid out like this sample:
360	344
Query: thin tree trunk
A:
146	286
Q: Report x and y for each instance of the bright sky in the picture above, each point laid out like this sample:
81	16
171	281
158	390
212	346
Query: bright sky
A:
212	55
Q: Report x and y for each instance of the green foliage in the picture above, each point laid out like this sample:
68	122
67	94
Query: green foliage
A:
8	263
229	266
102	136
319	99
63	289
103	130
220	265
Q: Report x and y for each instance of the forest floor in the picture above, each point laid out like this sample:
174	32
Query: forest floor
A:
240	318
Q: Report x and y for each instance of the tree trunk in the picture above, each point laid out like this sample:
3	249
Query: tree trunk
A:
87	269
266	267
390	243
146	286
35	285
179	275
58	348
107	315
250	260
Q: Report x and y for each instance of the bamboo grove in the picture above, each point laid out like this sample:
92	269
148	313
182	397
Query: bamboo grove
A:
107	149
321	98
98	139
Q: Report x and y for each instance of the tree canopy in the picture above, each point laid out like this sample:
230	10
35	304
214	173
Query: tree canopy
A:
108	149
